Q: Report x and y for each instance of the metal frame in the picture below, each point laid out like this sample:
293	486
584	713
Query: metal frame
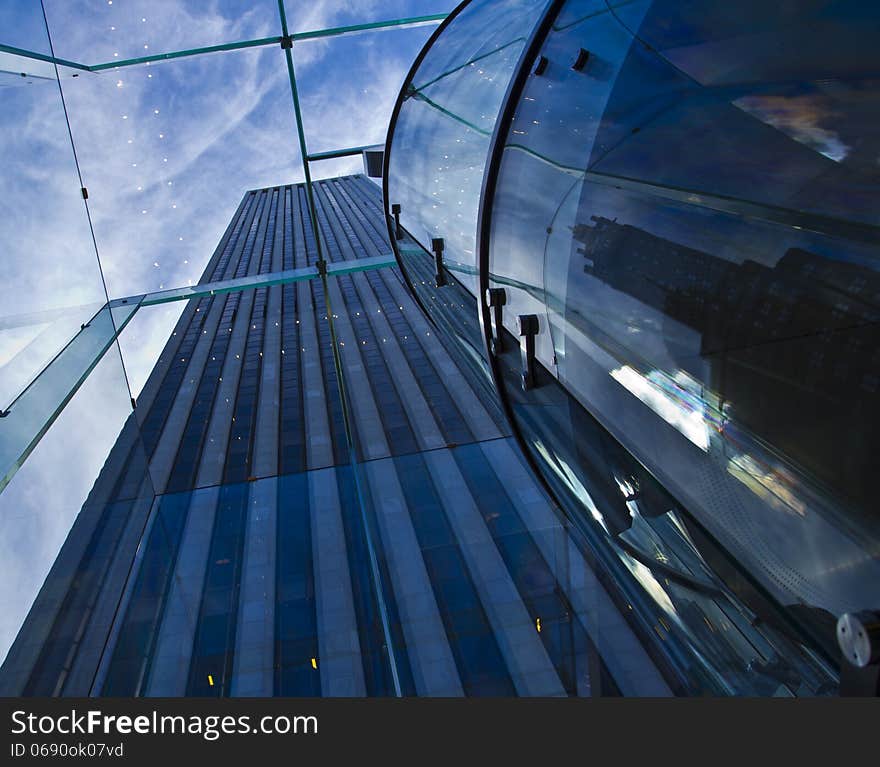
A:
30	414
21	445
414	21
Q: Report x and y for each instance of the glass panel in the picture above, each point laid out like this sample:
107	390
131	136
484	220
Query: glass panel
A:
99	32
141	342
311	18
408	393
340	166
52	280
169	149
656	213
347	87
30	341
26	419
442	133
57	492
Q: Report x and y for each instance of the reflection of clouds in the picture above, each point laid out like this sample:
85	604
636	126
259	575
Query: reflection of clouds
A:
799	117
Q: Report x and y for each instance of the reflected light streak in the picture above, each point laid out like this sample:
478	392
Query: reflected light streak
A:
772	487
679	405
564	472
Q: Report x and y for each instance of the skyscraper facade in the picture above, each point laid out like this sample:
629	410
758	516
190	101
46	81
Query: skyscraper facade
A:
581	403
280	519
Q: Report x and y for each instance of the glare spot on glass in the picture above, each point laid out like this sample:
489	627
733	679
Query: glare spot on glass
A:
674	401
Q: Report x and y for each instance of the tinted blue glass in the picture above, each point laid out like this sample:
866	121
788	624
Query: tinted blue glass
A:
214	645
130	663
473	643
295	619
357	513
441	138
691	234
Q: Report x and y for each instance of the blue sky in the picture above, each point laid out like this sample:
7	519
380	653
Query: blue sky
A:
166	151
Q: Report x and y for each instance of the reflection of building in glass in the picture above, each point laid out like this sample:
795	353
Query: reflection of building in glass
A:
782	342
707	424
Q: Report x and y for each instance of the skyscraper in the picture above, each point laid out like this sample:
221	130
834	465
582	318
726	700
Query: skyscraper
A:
581	404
379	535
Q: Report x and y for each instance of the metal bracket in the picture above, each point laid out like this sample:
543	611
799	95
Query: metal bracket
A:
437	247
581	61
395	211
858	635
496	298
286	42
527	325
321	266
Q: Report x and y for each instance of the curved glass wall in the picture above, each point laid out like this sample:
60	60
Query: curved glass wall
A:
437	148
685	203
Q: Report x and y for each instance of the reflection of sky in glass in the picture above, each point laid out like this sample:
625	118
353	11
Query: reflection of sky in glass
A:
800	117
166	151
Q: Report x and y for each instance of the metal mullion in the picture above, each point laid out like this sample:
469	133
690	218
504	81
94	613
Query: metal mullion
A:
413	21
239	45
340	375
288	55
43	57
336	153
359	485
262	41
